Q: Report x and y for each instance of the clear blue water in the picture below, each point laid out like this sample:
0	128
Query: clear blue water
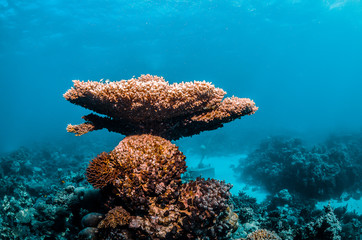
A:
300	61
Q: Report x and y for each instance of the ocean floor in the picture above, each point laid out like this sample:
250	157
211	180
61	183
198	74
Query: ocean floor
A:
44	195
224	171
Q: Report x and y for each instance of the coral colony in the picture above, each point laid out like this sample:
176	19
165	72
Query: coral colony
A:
142	176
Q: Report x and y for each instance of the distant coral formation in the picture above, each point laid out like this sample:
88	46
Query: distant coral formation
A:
142	175
322	172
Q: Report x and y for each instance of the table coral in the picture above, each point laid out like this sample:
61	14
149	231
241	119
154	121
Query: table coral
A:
142	175
150	105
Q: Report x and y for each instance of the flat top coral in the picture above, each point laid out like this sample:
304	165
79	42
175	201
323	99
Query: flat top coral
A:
142	176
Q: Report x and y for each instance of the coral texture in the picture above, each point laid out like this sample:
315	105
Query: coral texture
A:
103	170
150	105
117	217
142	175
207	207
147	97
263	234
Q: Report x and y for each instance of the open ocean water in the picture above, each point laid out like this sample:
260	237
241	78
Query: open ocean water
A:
295	165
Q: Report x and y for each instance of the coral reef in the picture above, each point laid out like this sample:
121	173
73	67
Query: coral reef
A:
298	177
142	175
41	200
293	218
323	172
44	195
326	226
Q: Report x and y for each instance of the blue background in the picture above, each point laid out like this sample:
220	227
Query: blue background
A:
300	61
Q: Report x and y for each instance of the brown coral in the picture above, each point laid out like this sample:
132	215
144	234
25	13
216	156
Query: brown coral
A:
115	225
150	166
117	217
170	222
263	234
150	105
103	170
205	204
160	223
80	129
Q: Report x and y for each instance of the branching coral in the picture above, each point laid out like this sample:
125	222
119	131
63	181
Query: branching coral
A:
142	175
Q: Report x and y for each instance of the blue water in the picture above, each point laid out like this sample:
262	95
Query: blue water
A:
300	61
